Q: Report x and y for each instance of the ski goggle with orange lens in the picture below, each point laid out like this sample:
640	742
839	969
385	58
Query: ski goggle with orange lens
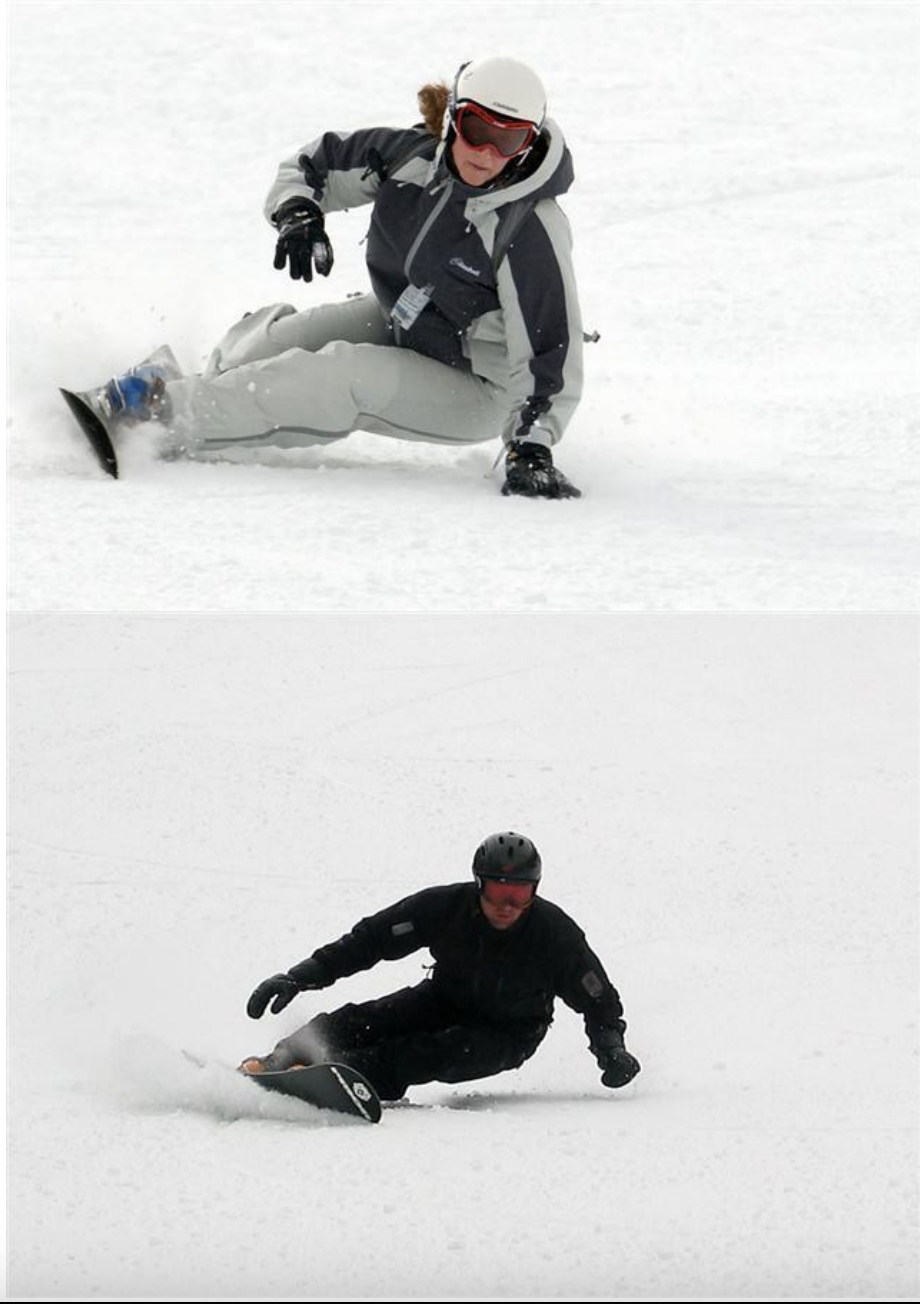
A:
479	128
499	892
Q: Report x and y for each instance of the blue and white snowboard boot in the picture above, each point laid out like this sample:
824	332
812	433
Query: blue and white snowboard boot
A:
139	394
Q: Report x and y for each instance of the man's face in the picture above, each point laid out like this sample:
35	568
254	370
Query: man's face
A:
504	903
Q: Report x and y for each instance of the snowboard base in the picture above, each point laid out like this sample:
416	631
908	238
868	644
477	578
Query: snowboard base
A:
93	428
327	1086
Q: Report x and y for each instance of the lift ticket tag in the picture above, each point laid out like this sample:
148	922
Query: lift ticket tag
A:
410	304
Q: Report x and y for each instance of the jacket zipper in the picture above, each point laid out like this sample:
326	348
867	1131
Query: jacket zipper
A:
426	227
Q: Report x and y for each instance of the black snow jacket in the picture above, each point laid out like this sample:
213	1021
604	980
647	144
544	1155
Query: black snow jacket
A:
487	973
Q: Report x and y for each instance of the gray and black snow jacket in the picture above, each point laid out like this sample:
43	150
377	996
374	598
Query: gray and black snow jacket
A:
497	261
485	973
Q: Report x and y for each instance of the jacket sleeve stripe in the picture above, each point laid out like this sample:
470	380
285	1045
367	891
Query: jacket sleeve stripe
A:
549	317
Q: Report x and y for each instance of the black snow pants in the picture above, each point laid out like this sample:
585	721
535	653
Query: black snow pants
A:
411	1036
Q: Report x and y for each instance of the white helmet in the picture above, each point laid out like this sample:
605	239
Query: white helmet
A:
503	86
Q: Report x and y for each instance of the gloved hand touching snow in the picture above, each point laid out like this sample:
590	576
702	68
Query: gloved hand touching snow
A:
617	1065
530	472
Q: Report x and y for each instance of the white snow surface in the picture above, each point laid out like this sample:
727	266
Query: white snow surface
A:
726	804
746	237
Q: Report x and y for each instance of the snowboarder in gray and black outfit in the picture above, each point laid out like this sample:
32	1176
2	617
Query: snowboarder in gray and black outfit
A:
502	955
472	330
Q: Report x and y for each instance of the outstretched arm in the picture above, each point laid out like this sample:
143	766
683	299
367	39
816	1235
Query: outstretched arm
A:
390	934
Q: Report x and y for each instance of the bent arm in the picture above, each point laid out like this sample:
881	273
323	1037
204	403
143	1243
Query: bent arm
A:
539	299
338	170
585	988
390	934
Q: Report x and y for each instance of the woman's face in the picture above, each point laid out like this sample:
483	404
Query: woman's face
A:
476	167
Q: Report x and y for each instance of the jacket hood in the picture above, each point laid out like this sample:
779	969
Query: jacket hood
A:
551	177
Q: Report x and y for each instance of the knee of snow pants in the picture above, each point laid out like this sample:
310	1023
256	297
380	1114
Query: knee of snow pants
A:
411	1037
330	1035
456	1053
279	327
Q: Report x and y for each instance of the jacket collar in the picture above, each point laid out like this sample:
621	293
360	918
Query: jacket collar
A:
553	176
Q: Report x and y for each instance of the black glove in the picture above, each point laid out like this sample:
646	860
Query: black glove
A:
302	240
619	1068
529	471
284	987
617	1065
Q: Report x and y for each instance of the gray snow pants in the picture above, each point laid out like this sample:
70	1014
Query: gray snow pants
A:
292	379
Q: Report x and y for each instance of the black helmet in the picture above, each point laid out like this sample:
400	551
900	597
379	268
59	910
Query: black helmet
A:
508	856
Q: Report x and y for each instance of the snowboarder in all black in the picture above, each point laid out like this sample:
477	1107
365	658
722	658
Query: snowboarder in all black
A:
502	955
471	331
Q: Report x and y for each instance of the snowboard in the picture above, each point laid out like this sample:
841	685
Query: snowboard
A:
93	428
327	1086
